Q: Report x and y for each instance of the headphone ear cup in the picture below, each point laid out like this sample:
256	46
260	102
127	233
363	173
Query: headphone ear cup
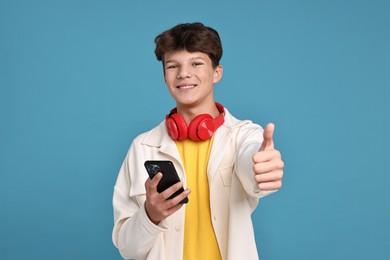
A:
201	128
172	128
177	127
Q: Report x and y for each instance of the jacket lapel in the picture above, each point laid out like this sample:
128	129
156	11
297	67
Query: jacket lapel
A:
158	137
222	143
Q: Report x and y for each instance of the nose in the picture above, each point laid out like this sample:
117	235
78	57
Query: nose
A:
184	73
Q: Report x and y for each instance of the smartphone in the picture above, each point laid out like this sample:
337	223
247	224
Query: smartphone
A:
169	178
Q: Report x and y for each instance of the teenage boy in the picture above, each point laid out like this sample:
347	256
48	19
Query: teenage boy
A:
225	164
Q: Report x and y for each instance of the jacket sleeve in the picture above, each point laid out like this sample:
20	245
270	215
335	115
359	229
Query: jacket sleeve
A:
133	233
248	142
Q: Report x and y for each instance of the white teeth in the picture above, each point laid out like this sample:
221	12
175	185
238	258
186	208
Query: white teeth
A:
186	87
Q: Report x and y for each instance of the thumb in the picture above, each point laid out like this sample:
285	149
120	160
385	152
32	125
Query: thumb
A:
268	142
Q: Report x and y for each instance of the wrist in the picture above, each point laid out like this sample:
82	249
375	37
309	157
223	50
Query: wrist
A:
156	222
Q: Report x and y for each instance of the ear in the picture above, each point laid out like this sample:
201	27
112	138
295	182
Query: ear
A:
218	72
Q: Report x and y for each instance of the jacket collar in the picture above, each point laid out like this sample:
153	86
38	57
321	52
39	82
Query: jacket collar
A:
158	137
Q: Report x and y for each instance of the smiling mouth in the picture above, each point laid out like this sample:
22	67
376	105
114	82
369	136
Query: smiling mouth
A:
186	86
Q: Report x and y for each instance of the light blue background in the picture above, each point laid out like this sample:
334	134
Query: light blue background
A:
79	81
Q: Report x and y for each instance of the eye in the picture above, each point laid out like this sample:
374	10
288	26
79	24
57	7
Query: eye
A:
171	66
195	64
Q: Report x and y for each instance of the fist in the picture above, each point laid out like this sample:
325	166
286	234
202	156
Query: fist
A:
267	163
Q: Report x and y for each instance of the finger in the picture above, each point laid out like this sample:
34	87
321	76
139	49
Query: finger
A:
274	185
265	167
173	209
177	199
268	143
265	156
171	190
154	182
269	177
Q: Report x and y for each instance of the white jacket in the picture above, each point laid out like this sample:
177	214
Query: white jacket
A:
233	194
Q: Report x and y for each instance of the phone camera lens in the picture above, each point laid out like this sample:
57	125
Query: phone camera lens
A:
153	168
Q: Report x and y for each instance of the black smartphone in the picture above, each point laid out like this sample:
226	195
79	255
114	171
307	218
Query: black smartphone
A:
169	178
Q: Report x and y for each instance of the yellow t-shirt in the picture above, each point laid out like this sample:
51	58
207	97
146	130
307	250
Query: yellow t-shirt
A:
199	237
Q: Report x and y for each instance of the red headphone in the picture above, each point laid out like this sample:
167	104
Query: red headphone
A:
201	128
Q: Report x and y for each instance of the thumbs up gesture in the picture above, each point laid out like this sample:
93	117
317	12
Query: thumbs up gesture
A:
268	165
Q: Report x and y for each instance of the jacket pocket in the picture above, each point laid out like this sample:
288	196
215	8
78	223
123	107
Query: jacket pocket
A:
226	175
140	199
226	179
137	191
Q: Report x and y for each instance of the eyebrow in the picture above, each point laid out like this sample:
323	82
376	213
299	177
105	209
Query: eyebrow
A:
191	59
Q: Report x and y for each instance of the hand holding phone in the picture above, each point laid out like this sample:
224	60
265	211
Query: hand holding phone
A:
169	177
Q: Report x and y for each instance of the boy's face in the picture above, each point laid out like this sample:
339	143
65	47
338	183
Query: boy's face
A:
190	77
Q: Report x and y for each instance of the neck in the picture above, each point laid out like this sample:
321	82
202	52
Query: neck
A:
189	113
